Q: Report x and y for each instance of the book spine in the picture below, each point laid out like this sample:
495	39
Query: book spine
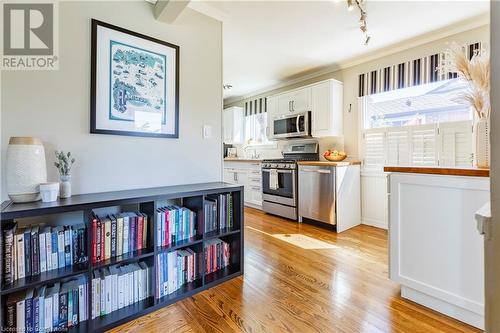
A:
48	314
107	244
43	252
20	256
113	238
20	316
119	236
27	254
48	249
67	246
8	253
35	254
55	255
36	315
10	316
28	316
98	240
140	227
60	249
140	230
63	310
132	231
145	231
75	246
70	308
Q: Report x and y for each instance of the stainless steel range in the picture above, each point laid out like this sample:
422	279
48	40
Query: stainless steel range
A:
280	179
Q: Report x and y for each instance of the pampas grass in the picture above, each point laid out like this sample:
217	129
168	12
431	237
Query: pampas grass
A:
475	71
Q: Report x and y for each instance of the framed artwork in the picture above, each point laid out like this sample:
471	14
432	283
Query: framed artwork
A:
134	84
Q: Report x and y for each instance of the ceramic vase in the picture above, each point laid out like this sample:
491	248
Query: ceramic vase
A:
65	186
25	169
482	143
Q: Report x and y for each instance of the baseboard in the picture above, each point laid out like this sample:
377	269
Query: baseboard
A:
375	223
443	307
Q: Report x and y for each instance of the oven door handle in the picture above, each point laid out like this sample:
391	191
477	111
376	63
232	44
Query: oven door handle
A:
279	171
298	122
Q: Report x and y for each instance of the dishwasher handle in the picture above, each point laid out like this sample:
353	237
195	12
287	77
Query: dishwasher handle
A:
325	171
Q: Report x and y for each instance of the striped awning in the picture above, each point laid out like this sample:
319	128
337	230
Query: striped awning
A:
256	106
408	74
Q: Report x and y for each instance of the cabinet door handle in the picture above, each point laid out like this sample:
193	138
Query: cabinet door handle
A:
293	106
323	171
289	106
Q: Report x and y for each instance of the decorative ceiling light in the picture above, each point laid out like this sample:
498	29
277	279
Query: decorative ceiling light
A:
362	19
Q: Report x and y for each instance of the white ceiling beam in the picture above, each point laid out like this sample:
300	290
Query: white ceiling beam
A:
204	7
169	10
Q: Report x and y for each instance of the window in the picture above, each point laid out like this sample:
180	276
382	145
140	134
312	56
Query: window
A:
424	125
431	103
255	129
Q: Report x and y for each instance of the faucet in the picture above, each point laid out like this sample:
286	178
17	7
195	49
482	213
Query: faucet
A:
254	152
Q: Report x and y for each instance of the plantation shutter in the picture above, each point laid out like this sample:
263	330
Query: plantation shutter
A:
423	144
374	144
398	146
456	147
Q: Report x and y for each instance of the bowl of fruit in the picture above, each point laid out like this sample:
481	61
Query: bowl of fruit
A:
334	155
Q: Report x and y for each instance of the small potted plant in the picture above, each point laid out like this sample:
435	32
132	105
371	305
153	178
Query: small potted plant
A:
64	163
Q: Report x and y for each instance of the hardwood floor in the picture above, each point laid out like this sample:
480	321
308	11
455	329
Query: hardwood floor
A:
287	288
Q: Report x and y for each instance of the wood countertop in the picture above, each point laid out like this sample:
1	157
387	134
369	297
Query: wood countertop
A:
470	172
329	163
241	159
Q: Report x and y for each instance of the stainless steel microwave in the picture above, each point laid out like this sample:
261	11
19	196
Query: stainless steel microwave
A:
292	126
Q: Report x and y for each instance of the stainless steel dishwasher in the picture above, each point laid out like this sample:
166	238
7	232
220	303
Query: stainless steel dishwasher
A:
317	193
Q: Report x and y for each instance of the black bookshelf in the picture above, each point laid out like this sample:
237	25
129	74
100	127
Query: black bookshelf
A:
146	200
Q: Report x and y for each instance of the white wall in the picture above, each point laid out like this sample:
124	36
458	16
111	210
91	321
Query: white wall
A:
55	105
492	244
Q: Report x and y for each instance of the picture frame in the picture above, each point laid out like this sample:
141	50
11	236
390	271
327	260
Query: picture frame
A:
134	83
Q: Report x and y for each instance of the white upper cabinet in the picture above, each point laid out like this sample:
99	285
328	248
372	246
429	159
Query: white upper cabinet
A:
327	106
325	101
295	101
233	125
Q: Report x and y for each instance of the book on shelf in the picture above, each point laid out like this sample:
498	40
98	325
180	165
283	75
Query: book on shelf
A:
175	224
217	255
219	212
47	309
175	269
30	251
118	234
119	286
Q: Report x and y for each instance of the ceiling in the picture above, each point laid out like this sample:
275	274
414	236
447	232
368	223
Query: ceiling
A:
271	42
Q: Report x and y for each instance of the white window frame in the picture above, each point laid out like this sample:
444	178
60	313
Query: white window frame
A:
439	137
268	144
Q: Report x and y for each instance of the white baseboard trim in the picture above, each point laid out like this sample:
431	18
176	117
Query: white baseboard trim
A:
375	223
441	306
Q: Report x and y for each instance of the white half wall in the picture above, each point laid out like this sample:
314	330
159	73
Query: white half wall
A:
55	105
374	201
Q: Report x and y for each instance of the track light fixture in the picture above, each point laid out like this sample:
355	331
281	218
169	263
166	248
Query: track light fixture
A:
362	19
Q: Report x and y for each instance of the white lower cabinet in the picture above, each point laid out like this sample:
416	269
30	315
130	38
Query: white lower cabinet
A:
435	251
248	175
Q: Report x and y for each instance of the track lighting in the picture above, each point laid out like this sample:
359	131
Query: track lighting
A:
350	5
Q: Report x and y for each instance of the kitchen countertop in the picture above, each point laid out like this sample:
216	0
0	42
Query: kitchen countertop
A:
471	172
241	159
329	163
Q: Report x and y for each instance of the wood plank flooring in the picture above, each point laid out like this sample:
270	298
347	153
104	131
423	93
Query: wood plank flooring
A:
287	288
